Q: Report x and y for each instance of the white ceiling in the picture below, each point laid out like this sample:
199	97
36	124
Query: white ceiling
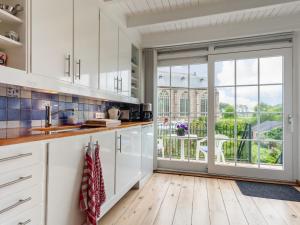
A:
226	18
162	17
135	7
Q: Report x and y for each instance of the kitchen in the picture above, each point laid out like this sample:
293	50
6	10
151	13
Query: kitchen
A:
148	85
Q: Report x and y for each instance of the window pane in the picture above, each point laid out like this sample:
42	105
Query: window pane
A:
271	98
224	150
247	71
246	99
271	127
179	76
163	102
247	153
224	100
163	76
271	70
198	76
163	136
271	154
225	125
224	73
247	126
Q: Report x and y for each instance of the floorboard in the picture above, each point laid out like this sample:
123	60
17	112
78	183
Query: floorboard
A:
168	199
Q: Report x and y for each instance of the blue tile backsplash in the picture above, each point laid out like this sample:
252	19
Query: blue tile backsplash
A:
24	108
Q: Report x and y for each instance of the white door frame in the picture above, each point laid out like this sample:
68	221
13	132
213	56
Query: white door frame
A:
287	172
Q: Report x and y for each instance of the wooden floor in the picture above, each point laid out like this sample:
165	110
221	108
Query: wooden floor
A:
185	200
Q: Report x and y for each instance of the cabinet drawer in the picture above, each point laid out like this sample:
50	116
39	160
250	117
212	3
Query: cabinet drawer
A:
17	203
33	216
14	157
21	179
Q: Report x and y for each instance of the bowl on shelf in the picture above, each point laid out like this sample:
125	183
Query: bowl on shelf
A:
14	10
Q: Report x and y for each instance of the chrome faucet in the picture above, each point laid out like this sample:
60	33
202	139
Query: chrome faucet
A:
48	119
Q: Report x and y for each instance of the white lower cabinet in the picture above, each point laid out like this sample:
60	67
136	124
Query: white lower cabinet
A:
32	216
147	150
22	183
107	142
121	171
65	166
128	158
41	181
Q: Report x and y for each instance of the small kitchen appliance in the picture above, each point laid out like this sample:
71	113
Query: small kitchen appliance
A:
146	112
130	115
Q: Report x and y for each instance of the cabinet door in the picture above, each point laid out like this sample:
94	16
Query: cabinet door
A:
124	64
52	38
107	142
128	158
147	150
86	42
108	54
65	167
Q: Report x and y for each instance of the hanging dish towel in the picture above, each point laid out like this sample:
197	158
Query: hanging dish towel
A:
100	190
87	192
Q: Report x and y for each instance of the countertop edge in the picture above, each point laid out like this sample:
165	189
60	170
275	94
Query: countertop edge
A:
44	137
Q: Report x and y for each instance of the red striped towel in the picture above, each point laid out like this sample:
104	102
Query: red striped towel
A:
100	190
87	192
92	193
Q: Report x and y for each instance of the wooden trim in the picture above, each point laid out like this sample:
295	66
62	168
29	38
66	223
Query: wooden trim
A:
216	176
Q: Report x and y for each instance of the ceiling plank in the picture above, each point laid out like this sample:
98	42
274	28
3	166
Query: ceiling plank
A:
222	32
151	18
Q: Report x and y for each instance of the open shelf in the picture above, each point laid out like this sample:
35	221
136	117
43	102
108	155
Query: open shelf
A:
8	43
9	18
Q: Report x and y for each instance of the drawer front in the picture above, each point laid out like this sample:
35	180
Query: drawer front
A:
33	216
21	179
14	157
17	203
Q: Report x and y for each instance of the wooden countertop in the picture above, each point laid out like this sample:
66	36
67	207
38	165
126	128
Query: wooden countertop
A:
22	135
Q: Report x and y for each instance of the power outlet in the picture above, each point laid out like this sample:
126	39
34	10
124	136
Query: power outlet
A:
100	115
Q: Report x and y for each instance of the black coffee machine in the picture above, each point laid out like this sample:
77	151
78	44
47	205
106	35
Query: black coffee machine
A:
146	112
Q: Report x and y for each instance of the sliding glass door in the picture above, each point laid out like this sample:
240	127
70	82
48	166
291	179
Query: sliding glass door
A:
250	129
229	115
182	105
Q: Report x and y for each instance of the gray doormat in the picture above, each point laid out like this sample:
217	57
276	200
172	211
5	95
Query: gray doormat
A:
273	191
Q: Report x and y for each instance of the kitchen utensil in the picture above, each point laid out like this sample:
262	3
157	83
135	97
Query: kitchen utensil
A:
12	35
114	113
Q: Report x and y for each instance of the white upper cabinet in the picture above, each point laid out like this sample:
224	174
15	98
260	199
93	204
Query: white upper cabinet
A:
52	38
124	64
108	54
86	42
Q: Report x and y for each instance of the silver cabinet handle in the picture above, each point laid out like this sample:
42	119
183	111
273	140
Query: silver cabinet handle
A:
79	69
24	223
121	84
15	181
68	59
20	202
116	82
15	157
120	144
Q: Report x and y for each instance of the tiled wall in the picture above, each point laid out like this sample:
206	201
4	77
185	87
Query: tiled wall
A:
25	108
